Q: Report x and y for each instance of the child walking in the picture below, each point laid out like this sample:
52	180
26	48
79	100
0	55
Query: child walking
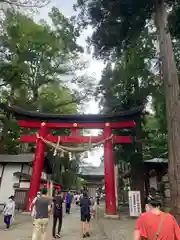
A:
9	211
92	208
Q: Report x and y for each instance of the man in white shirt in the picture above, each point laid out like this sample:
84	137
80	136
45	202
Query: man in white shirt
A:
33	207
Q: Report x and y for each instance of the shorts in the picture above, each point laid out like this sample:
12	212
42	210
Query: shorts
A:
85	217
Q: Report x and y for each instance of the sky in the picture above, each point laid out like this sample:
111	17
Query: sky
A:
94	66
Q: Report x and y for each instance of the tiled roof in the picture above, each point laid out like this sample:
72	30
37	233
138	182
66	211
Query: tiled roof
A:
20	158
91	170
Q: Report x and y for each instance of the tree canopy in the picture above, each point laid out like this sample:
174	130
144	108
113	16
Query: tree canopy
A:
26	3
128	82
118	24
117	27
39	71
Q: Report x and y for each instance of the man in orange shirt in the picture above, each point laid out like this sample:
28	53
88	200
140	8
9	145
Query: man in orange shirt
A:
155	224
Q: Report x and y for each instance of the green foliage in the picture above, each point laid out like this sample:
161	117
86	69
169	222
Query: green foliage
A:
12	143
57	99
174	20
118	24
130	82
65	31
26	3
155	142
34	55
37	69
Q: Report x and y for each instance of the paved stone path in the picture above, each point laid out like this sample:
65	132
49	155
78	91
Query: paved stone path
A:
19	219
117	229
102	229
71	229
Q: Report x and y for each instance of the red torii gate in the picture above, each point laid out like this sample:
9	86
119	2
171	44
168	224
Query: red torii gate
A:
44	122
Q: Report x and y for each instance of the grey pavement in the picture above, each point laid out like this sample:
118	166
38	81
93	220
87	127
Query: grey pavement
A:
116	229
102	229
71	229
19	219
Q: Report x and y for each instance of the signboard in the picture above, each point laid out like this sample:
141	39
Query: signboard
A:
134	203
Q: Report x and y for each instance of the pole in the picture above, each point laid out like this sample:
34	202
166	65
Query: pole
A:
110	198
37	167
51	188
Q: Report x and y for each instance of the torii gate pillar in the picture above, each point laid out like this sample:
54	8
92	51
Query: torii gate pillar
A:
110	197
37	167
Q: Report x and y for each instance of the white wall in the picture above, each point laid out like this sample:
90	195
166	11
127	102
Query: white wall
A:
8	181
24	185
28	170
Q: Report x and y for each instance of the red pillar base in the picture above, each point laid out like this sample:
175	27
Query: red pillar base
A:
37	168
116	216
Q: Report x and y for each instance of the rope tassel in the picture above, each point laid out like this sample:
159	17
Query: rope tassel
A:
61	154
57	145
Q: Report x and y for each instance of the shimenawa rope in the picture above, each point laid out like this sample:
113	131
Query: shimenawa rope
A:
62	148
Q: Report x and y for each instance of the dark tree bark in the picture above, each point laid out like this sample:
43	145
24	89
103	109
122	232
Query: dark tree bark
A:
172	97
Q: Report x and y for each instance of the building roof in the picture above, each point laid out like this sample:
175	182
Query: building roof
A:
92	170
27	176
157	160
20	158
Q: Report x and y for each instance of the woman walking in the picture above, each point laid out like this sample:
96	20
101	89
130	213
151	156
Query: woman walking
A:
9	211
85	214
68	202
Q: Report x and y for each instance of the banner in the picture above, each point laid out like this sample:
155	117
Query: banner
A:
134	203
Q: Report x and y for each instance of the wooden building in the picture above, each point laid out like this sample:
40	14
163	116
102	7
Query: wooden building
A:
15	174
155	174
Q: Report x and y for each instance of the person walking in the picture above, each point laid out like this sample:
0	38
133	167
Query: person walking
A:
9	212
68	202
155	224
98	197
33	208
57	214
43	210
92	207
85	215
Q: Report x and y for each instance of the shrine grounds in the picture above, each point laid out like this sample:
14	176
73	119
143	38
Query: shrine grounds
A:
102	229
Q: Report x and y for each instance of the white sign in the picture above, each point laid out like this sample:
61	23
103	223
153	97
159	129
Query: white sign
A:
134	203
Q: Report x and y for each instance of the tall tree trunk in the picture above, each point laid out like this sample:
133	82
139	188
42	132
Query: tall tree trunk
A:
172	94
